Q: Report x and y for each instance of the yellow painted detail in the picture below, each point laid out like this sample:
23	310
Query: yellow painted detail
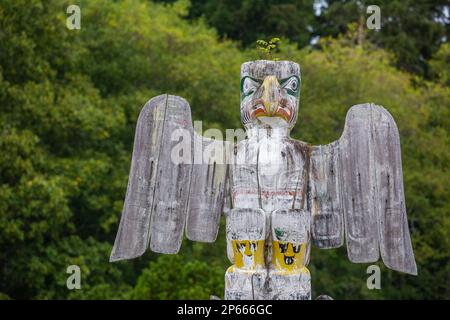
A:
248	254
230	269
288	256
270	97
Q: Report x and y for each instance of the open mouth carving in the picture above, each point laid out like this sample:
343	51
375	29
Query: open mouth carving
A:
284	110
288	260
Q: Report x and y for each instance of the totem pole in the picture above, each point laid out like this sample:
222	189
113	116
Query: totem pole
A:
279	195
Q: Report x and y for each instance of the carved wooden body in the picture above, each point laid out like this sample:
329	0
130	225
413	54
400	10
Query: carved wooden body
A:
279	194
269	172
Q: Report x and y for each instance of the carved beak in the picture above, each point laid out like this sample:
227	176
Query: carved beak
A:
271	94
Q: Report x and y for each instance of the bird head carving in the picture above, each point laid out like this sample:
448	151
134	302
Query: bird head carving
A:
270	93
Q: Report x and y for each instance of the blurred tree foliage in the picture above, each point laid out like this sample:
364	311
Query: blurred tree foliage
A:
412	29
249	20
69	101
440	65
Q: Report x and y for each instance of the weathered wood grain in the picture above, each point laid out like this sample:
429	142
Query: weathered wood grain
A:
289	278
358	186
206	198
395	242
133	234
244	189
291	225
325	198
360	178
246	224
172	181
160	185
279	191
245	284
262	68
289	286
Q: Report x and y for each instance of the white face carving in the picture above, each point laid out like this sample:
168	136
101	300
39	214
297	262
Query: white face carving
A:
270	93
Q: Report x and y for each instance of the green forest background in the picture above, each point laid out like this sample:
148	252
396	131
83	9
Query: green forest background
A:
69	101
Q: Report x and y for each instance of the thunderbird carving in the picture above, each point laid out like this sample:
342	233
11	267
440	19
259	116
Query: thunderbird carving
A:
279	194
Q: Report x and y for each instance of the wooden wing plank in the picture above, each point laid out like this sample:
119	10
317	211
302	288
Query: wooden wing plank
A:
366	189
133	234
395	242
173	179
358	186
325	199
207	191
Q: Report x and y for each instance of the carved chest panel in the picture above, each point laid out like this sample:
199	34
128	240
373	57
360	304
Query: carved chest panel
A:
270	173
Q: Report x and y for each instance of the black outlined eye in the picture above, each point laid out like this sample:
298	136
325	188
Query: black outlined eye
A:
283	247
296	248
249	86
291	84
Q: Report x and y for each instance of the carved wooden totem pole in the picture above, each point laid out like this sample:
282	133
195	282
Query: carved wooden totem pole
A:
279	195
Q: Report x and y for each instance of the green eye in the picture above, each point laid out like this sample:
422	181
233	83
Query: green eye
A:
249	86
292	85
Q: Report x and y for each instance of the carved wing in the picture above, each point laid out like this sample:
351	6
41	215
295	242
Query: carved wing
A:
356	189
169	189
